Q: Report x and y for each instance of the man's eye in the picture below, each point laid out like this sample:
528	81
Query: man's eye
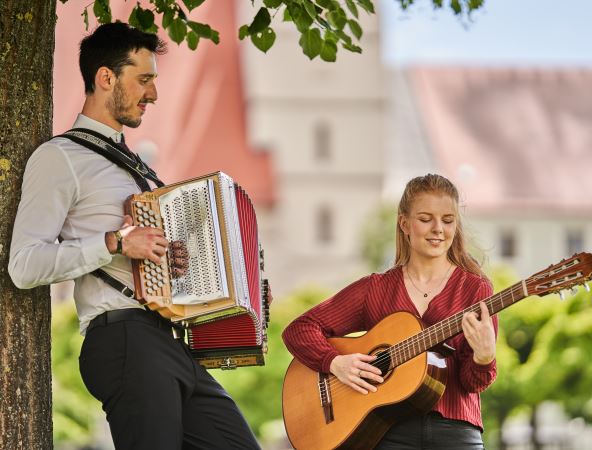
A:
424	220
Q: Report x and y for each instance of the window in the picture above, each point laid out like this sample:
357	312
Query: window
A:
507	244
322	141
324	225
574	241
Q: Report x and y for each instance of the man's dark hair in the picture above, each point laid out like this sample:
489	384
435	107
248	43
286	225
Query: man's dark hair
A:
110	46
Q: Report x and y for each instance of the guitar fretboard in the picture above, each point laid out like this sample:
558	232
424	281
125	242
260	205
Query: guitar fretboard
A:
447	328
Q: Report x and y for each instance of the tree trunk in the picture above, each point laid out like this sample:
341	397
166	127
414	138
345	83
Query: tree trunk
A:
26	62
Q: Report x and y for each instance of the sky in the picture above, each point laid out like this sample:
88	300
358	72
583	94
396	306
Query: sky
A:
504	32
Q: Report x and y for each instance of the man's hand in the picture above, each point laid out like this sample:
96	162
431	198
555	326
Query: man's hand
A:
139	242
354	369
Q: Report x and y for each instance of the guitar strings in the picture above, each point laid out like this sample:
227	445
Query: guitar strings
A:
407	346
398	352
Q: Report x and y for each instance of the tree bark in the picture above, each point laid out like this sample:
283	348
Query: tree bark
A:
26	61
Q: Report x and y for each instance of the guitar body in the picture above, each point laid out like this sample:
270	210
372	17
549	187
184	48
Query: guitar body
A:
353	420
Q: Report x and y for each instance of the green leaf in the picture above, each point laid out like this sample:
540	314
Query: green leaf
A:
355	28
287	16
272	3
167	18
243	32
438	3
177	30
192	40
351	47
325	4
331	36
260	22
264	39
344	37
310	9
367	5
329	51
311	42
337	19
192	4
456	6
85	17
102	11
145	18
205	31
475	4
300	17
352	7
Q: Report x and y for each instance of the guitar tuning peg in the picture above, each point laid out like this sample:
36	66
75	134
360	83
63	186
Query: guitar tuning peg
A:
561	295
574	290
586	287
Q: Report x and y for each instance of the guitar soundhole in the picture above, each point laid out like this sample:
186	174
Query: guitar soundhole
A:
383	362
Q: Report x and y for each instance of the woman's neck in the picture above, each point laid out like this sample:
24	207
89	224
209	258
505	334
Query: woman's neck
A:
428	270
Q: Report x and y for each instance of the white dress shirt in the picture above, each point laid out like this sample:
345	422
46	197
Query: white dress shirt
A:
77	194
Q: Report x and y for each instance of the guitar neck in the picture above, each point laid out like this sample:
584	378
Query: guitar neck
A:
447	328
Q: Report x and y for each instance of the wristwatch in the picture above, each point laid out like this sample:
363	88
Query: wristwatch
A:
119	238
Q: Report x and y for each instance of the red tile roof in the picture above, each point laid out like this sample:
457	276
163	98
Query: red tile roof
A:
513	139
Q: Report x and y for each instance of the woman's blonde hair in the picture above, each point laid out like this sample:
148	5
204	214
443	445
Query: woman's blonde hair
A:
433	184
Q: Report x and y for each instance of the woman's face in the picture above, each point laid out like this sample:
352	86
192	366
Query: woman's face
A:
430	225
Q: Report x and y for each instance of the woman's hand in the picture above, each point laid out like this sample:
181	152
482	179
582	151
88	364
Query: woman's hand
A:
353	370
480	335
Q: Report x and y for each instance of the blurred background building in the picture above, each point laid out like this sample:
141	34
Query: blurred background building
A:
320	147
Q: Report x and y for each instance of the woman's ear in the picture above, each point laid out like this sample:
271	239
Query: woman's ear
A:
403	223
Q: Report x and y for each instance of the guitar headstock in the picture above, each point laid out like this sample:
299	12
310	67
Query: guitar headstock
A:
563	275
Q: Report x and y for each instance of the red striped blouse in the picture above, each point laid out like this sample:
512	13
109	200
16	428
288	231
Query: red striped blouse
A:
364	303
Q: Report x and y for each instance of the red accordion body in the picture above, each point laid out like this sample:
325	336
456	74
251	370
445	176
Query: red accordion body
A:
222	299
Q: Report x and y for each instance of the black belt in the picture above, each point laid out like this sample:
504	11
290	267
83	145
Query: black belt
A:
137	314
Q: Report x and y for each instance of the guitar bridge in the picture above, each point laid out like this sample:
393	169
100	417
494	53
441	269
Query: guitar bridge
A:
325	395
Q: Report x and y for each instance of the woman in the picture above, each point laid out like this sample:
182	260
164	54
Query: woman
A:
433	278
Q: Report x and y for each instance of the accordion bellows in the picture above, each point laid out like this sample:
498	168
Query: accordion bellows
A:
222	298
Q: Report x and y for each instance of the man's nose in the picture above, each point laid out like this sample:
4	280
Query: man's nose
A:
152	93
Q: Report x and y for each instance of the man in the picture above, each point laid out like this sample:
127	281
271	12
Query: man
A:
153	392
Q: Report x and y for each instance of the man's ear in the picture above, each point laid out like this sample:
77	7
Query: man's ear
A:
105	79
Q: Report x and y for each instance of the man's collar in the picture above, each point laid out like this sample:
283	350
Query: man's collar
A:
83	121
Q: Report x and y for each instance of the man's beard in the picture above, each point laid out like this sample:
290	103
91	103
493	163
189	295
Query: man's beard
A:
118	104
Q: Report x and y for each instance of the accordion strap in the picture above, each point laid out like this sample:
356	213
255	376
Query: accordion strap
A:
117	154
122	157
113	282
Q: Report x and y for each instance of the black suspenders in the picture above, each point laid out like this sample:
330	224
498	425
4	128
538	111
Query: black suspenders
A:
122	157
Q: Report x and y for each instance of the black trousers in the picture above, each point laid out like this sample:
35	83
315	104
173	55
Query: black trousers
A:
432	432
155	395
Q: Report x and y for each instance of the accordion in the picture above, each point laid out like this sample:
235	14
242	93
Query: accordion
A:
221	299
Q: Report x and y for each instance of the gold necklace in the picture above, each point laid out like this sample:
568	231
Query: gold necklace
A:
425	294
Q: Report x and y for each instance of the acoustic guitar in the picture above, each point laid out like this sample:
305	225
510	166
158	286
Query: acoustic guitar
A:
322	413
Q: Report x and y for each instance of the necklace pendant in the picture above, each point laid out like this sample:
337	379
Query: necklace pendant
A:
425	295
